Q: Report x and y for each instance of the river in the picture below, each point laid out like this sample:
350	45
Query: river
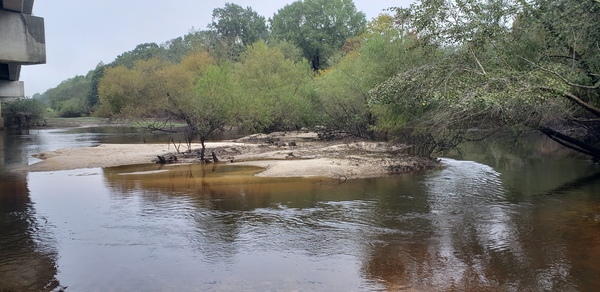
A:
514	217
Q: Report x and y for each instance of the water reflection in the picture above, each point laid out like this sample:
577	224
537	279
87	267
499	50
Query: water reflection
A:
27	251
521	221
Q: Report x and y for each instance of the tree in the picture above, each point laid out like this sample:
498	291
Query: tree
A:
145	51
133	92
24	113
68	98
275	92
498	65
208	107
92	97
344	90
196	92
318	27
236	28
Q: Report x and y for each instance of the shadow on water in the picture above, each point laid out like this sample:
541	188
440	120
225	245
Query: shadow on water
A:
27	252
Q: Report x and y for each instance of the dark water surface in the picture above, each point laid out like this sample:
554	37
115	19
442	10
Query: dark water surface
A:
520	220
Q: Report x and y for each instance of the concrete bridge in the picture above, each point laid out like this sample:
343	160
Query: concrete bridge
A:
22	42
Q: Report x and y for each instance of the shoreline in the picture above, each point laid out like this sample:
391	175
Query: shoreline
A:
309	158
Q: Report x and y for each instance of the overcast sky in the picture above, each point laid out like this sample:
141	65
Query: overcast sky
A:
80	34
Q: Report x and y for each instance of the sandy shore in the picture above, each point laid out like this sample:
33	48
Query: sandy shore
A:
343	160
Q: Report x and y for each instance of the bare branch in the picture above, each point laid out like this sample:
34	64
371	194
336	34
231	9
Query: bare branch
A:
478	63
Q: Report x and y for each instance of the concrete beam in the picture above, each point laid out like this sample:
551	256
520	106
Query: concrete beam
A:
20	6
10	72
23	39
11	89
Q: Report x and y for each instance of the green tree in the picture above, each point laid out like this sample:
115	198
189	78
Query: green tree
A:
318	27
68	98
133	92
92	97
344	90
145	51
24	113
195	92
236	27
275	92
498	65
208	106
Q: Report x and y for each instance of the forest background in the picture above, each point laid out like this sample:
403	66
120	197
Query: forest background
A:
432	75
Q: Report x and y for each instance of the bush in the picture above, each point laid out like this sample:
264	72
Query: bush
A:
24	113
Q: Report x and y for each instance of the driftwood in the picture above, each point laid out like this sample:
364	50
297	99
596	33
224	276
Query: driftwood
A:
166	160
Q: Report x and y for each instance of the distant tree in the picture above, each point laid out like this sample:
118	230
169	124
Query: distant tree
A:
92	99
132	92
68	98
195	92
24	113
236	27
143	51
318	27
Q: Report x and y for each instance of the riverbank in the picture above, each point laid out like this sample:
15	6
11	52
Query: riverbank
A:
281	154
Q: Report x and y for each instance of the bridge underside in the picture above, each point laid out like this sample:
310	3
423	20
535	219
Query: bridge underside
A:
22	42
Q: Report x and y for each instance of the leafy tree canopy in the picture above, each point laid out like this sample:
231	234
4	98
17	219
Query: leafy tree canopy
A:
235	28
318	27
238	25
497	65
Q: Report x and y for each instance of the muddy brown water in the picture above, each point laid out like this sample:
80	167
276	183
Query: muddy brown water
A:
526	219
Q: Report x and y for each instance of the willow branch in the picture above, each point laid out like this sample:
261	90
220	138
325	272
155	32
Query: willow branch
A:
565	80
592	109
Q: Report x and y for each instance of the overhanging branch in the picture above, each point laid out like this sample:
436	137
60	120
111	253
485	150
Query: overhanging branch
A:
571	142
565	80
592	109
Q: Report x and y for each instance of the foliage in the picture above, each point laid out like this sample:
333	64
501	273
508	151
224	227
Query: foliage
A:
344	89
503	65
68	98
236	27
92	99
128	92
208	107
274	91
144	52
195	92
24	113
318	27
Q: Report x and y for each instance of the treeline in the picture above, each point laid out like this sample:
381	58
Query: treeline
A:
434	74
226	39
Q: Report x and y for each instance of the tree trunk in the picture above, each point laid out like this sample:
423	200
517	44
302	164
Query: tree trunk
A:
572	143
203	150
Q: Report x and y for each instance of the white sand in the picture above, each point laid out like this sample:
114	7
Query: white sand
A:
336	160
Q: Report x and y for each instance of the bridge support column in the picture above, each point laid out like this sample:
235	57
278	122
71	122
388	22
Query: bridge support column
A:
22	42
9	90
